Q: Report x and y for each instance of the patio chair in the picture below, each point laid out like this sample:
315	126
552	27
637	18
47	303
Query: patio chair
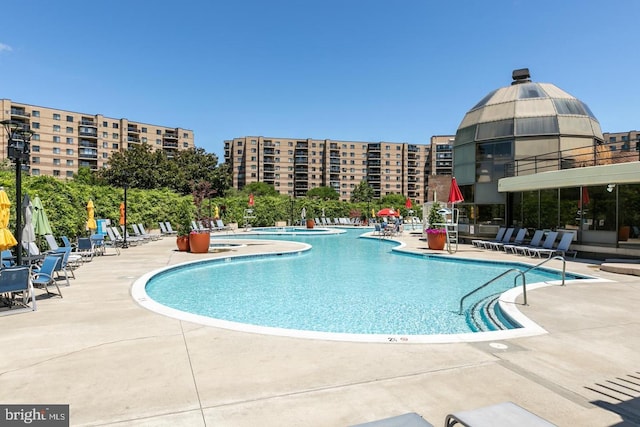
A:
138	233
479	242
43	276
98	243
6	258
562	248
506	238
33	252
221	226
112	241
16	281
85	248
521	249
548	244
499	415
51	241
170	229
410	419
143	231
68	263
130	240
164	230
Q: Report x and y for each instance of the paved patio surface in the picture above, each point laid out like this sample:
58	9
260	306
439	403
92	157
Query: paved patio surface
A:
118	364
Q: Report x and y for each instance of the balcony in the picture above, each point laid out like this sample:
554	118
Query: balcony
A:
166	144
132	130
85	122
88	132
19	112
88	144
170	136
133	139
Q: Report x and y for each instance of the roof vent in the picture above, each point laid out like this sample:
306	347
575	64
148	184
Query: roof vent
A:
521	76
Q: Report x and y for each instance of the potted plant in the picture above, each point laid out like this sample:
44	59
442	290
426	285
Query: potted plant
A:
184	226
199	241
436	233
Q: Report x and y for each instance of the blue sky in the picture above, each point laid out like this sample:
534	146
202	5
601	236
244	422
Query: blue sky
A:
372	70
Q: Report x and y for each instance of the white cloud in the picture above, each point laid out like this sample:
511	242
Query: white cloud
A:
5	47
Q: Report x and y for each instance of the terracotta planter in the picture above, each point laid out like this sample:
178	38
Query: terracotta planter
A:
310	223
183	243
199	242
436	240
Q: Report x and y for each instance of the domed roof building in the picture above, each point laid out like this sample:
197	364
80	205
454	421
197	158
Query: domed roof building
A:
531	155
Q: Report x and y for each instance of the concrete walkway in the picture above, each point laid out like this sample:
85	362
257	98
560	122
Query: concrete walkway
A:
119	364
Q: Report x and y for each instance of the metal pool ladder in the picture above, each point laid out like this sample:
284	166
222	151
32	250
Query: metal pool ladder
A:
520	273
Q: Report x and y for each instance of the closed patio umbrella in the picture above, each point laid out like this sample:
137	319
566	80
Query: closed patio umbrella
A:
28	232
91	221
41	224
6	238
122	213
455	195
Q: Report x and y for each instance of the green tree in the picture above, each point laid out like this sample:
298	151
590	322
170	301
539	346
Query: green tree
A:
393	200
260	189
323	193
362	193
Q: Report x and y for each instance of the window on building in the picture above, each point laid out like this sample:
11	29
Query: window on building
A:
56	162
56	116
69	151
69	140
115	146
105	124
143	130
69	162
144	139
56	172
158	132
105	134
158	141
69	129
35	172
612	139
105	155
35	148
56	128
185	144
114	135
70	119
35	160
56	139
35	125
114	125
185	135
36	137
56	150
35	113
69	174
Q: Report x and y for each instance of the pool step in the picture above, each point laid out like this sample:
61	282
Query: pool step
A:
485	315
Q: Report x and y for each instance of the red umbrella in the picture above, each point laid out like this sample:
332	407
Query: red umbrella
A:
408	204
388	212
251	199
455	195
585	198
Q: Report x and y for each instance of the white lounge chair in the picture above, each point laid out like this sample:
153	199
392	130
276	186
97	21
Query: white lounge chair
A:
506	238
562	248
405	420
479	242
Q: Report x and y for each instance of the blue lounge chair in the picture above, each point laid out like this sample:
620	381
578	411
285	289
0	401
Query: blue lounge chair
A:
516	241
43	276
16	281
498	244
548	244
522	249
562	248
499	235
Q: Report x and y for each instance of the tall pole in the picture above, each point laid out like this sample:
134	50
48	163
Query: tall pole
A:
125	245
19	210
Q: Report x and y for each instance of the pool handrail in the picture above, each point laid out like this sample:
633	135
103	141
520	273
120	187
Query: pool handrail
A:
524	280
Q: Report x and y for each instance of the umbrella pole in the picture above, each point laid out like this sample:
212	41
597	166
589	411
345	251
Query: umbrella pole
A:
19	210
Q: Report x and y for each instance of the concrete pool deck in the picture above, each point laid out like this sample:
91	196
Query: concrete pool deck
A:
119	364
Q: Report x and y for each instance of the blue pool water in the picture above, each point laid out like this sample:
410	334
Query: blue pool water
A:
344	284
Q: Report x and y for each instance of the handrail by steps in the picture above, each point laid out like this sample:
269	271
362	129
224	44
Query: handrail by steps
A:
524	280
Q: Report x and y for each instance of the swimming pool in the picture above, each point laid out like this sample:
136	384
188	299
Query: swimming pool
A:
343	288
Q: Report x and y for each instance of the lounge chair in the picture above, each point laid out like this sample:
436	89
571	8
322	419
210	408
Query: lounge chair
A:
16	281
516	241
479	242
143	231
68	262
562	248
497	245
164	230
43	276
222	227
522	249
33	252
132	241
499	415
548	244
410	419
169	228
51	241
6	258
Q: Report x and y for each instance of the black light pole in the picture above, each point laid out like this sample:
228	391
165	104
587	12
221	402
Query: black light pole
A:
125	245
18	151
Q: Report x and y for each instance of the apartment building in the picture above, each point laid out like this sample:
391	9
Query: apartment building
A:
63	141
294	166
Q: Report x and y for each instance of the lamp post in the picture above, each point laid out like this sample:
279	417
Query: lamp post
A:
18	150
125	244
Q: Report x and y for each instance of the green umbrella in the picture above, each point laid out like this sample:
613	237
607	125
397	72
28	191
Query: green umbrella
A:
40	221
